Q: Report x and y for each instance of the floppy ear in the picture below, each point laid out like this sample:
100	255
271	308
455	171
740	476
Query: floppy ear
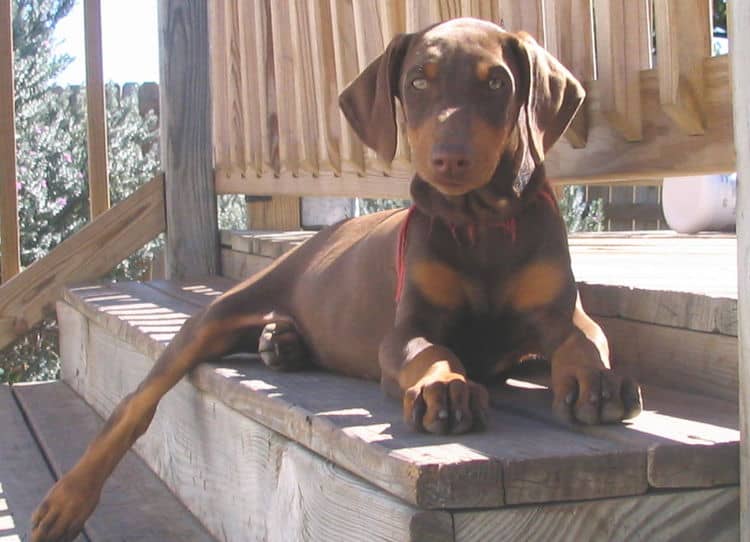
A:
368	104
554	96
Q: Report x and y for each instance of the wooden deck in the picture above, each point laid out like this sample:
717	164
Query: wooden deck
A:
241	444
44	428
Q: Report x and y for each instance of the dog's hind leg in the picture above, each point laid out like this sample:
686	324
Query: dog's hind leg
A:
211	333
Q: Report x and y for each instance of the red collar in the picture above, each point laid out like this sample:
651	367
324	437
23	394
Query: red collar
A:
508	226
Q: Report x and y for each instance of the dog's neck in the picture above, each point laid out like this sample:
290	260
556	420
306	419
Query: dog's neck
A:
513	185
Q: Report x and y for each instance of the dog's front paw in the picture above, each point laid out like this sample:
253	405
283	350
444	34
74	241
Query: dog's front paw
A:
593	395
64	510
281	347
448	403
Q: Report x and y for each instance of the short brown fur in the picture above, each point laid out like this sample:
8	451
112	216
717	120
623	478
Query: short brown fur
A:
487	278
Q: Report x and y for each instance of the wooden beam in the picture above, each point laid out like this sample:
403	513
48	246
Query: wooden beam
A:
186	139
526	15
96	111
570	38
621	38
276	213
88	254
10	262
683	42
739	21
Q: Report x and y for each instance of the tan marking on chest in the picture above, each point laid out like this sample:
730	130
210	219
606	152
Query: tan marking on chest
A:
438	283
536	285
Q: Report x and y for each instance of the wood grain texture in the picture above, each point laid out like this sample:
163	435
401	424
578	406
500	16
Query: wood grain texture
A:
692	441
516	461
676	309
280	213
96	116
10	259
690	516
134	502
89	254
621	37
25	477
683	42
186	138
739	21
242	480
690	361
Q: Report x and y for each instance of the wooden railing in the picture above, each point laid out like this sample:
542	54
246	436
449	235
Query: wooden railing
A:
278	66
111	236
98	177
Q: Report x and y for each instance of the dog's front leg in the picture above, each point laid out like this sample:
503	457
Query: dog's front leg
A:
585	389
431	380
209	334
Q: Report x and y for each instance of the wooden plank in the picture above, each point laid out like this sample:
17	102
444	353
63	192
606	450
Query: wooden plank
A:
688	515
278	213
249	483
96	113
570	38
526	15
685	360
133	501
347	68
186	139
676	309
10	256
25	477
251	86
326	89
621	38
219	101
89	254
197	292
290	142
683	42
692	441
739	19
234	86
425	470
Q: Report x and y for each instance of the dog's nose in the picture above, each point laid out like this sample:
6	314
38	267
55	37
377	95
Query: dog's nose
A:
451	160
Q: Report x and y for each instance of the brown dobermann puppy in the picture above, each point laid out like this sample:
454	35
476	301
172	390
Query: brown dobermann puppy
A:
433	301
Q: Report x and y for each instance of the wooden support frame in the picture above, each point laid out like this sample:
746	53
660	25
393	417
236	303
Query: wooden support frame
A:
739	19
96	111
10	262
186	139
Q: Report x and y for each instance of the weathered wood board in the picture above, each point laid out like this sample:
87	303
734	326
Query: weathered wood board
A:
244	481
510	464
25	477
134	504
693	516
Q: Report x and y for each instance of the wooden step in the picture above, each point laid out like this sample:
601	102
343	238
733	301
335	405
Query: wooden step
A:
212	437
135	504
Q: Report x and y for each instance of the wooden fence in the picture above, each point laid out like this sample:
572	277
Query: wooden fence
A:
278	66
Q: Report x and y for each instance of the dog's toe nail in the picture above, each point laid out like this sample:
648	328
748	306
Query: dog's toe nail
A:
459	416
570	398
443	414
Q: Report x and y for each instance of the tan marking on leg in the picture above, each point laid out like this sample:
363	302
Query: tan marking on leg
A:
439	284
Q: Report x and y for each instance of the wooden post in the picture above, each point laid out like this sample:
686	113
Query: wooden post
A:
9	244
186	142
96	111
739	19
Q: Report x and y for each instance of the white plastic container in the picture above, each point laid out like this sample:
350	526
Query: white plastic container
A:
702	203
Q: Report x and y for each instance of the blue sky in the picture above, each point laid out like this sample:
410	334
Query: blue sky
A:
130	42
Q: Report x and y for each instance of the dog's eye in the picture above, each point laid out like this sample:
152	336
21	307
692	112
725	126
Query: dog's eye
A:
419	84
496	83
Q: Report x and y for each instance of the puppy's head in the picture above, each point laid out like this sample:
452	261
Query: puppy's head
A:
471	93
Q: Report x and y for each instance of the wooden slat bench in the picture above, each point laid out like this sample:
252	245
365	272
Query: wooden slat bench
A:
311	455
44	429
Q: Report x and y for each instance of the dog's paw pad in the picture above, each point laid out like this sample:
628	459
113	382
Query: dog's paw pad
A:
281	347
